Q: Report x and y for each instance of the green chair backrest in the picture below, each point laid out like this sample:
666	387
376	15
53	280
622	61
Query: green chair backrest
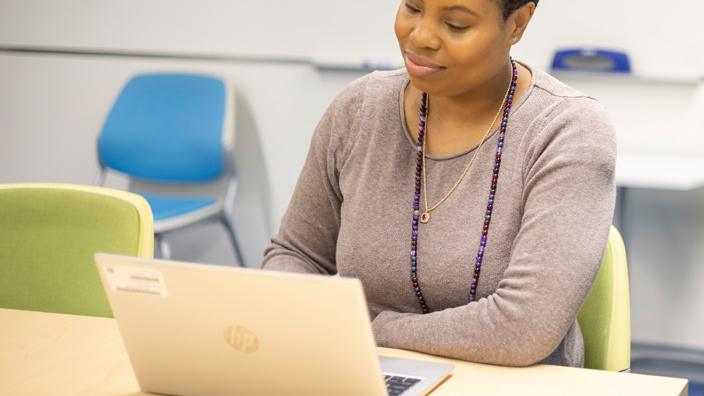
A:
48	236
605	317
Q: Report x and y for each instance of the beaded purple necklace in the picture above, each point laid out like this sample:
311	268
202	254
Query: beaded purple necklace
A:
416	200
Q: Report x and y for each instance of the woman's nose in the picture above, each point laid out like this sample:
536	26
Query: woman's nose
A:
424	34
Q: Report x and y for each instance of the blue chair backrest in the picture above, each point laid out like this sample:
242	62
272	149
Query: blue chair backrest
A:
167	128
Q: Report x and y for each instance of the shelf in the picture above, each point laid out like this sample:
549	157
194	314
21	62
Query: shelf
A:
658	171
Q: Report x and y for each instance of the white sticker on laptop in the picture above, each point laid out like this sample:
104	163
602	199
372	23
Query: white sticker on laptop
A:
135	280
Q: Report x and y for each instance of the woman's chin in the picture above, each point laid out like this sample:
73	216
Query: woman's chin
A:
430	85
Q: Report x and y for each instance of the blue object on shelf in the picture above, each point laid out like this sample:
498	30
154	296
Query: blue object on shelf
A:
591	59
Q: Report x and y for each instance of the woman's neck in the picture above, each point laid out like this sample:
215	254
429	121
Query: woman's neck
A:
458	123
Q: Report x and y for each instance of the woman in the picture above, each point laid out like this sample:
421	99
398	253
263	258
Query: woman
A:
473	240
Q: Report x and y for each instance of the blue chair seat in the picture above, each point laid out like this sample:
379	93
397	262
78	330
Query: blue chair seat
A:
174	212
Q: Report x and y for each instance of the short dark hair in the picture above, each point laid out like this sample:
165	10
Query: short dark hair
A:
509	6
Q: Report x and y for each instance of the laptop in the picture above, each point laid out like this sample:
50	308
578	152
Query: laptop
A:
196	329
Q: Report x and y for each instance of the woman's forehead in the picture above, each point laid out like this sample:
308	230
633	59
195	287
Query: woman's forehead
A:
474	7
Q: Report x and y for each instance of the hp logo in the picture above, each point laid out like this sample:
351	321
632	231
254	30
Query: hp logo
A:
241	339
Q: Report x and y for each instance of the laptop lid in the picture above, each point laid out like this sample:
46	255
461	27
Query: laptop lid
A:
195	329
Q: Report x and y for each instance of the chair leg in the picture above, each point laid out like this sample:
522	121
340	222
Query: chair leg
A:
163	246
235	246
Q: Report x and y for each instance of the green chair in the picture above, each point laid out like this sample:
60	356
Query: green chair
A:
605	317
48	235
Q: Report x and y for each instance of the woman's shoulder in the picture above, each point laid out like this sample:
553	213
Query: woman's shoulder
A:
375	93
551	85
551	108
378	86
554	99
558	117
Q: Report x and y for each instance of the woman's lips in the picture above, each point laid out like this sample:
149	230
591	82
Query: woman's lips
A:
420	67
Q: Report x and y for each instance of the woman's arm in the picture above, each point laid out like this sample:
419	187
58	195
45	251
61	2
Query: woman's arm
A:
307	238
568	203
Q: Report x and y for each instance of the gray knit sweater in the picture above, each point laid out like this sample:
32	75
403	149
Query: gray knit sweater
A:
351	213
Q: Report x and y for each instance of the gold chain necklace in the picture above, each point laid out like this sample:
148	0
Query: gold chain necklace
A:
426	215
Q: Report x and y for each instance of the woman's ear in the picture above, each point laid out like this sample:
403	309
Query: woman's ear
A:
518	22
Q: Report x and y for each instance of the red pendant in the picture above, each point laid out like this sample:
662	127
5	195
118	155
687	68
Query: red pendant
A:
424	217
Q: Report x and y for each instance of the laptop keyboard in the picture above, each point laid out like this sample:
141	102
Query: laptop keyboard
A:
396	384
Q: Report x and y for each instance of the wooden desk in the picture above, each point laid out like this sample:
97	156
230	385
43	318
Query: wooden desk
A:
52	354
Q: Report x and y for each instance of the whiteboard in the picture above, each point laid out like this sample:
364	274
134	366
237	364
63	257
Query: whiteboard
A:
259	29
661	37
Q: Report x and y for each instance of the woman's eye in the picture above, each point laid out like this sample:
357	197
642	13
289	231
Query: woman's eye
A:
412	9
457	28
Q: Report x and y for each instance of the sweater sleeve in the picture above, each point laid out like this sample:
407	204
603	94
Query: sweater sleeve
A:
307	239
567	208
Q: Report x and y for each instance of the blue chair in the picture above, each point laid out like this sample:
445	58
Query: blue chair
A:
173	136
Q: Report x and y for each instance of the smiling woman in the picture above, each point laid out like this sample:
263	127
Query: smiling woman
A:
516	169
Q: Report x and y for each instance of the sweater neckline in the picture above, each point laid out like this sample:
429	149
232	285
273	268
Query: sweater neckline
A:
516	107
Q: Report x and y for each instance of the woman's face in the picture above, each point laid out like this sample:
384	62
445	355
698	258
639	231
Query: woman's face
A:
452	47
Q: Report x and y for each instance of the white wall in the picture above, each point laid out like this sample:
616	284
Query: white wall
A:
52	106
661	37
